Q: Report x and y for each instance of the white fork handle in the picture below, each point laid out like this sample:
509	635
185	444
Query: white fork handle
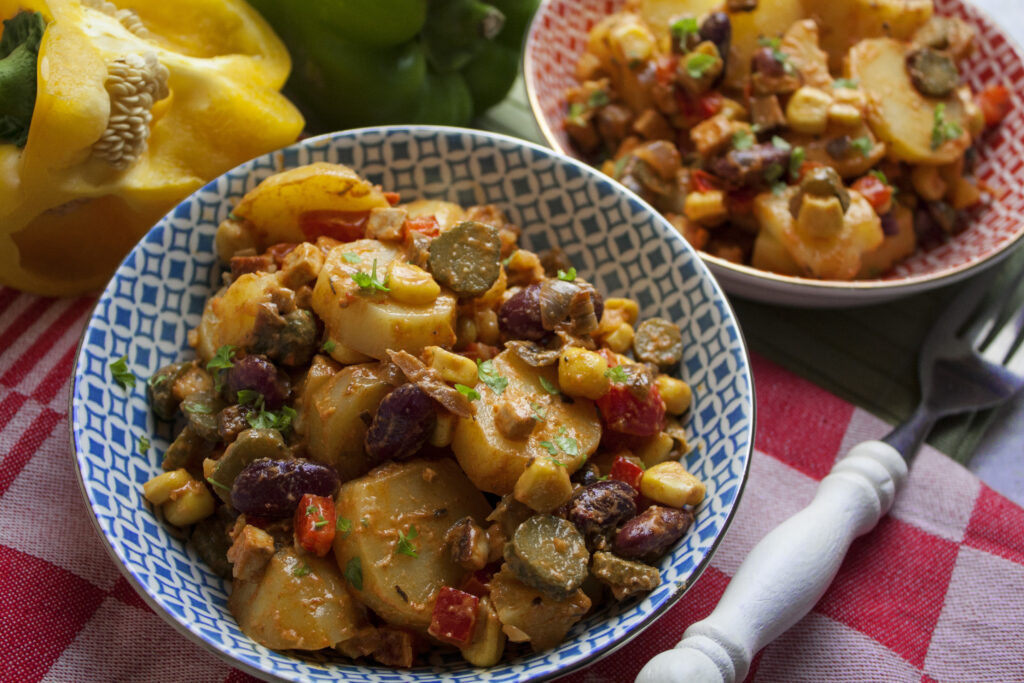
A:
787	571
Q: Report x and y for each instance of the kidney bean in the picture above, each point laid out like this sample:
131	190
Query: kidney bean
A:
763	61
403	423
649	534
757	166
273	488
718	29
598	509
256	373
519	317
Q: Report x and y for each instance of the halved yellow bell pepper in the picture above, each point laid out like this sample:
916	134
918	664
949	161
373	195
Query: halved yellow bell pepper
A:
134	110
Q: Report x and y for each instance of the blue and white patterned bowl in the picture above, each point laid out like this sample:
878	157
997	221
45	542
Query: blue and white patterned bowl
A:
614	239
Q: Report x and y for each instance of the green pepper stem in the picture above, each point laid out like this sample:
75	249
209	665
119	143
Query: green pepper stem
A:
19	51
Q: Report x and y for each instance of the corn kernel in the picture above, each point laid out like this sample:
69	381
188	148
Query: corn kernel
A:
158	490
629	308
819	217
452	367
209	467
194	503
851	96
707	208
675	393
656	449
410	284
487	330
581	373
620	339
927	182
633	40
465	331
524	268
444	429
670	484
543	485
845	114
807	110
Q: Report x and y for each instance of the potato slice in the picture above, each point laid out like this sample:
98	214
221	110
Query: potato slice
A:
771	19
367	320
897	112
429	495
277	209
527	612
299	603
894	248
834	258
493	461
230	317
845	22
331	417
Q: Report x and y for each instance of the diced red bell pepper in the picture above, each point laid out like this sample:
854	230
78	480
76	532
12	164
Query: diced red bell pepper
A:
703	181
878	194
344	226
392	197
994	102
622	411
454	616
315	524
665	70
280	250
626	470
425	224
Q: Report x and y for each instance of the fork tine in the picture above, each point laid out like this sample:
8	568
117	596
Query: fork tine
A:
1001	344
991	329
953	319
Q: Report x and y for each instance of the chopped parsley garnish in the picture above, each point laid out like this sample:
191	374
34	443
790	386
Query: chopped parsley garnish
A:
598	98
320	523
222	359
143	445
742	139
328	346
343	525
796	160
780	142
405	545
370	281
683	28
351	258
558	462
301	571
942	130
848	83
354	573
246	396
311	509
218	484
617	374
862	145
548	386
549	447
576	112
123	376
698	64
469	392
780	56
280	420
765	41
567	275
489	375
563	443
619	166
880	175
540	413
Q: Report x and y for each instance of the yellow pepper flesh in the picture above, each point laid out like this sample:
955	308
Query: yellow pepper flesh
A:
67	215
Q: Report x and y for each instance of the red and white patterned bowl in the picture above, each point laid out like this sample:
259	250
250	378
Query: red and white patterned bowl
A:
557	38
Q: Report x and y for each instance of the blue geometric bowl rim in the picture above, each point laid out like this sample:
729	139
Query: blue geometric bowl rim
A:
668	231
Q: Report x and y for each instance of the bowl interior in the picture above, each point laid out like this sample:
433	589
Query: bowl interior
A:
558	37
613	239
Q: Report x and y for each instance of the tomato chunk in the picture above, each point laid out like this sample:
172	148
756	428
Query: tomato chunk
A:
344	226
315	524
479	582
627	471
425	224
622	411
454	616
994	102
878	194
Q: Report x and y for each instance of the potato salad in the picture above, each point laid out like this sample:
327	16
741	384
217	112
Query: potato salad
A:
817	139
403	432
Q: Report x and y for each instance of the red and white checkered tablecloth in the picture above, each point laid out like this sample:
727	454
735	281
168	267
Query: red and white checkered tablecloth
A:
934	593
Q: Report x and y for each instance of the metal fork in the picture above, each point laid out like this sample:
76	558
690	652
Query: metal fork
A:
970	360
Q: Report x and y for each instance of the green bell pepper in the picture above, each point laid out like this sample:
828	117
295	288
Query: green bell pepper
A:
373	62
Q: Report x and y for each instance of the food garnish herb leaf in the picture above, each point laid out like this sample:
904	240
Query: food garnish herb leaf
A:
301	571
218	484
351	258
549	447
698	64
548	386
862	145
567	444
576	112
370	281
598	98
222	360
567	275
343	525
405	545
683	28
942	130
123	376
469	392
487	373
354	573
742	139
617	374
143	445
849	83
540	413
328	346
